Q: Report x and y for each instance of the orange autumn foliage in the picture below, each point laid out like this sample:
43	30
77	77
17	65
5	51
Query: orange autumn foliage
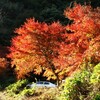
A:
54	49
35	47
83	42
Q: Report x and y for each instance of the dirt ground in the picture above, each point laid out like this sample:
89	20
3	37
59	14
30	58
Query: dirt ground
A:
41	94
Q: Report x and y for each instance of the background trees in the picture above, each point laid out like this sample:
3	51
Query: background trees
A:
3	60
14	12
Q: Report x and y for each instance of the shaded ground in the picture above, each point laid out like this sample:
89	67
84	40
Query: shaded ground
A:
40	94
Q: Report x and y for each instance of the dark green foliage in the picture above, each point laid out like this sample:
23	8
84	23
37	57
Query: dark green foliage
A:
97	97
51	14
13	13
6	81
9	11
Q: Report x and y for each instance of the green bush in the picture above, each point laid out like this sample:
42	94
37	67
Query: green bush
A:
76	87
84	85
15	88
95	83
27	92
19	89
95	77
97	97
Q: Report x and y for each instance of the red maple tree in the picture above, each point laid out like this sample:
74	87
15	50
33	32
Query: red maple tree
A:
82	44
55	49
35	47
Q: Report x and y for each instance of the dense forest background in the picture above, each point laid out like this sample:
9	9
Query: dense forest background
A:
13	13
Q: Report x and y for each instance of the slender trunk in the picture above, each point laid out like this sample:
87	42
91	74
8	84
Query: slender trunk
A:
58	81
53	70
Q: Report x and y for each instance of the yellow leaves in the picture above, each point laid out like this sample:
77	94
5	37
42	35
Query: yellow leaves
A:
49	73
38	69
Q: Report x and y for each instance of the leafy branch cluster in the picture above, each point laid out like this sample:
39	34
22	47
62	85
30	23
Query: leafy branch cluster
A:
55	50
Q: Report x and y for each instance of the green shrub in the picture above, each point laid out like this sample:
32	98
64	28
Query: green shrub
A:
19	89
15	88
75	87
27	92
84	85
95	77
97	97
95	83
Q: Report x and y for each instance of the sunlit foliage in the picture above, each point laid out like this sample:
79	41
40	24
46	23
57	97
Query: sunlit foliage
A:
54	49
82	42
35	47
